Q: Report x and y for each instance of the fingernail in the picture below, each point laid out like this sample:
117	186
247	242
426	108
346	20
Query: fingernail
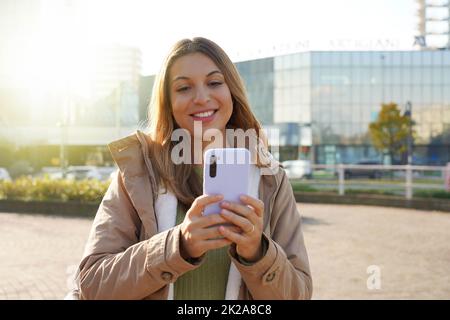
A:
224	212
225	203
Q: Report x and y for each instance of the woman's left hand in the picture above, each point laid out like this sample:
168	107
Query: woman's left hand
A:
249	218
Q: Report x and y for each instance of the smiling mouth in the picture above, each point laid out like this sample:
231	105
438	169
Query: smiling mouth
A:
203	115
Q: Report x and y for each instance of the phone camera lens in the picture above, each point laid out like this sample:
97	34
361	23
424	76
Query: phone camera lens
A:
213	166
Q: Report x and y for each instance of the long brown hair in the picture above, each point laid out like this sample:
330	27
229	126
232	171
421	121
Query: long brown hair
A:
180	179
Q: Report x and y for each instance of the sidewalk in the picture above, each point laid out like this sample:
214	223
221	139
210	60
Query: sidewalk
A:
38	253
410	248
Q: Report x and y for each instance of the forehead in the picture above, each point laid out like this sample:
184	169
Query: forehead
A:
192	65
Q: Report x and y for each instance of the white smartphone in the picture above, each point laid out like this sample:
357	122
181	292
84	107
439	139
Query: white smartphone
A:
226	171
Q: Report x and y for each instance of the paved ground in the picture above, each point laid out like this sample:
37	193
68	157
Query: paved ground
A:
408	249
37	254
407	253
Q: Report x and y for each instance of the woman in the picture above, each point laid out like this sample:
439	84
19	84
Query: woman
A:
150	240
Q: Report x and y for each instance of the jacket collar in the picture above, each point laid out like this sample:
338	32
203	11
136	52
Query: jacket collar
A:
131	155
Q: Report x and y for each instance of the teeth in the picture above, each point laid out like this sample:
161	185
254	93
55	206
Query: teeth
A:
203	114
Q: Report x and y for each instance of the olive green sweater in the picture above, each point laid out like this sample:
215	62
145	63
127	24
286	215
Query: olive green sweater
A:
209	281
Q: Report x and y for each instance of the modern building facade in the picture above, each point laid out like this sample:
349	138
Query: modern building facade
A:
321	102
433	24
333	96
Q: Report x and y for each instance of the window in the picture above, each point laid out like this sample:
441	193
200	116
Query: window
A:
427	91
397	75
416	58
356	76
446	114
397	58
278	63
427	73
397	95
296	77
375	76
446	95
388	98
416	76
437	76
446	58
296	60
336	60
436	95
305	59
388	75
347	59
378	59
446	76
427	58
437	58
406	75
423	132
356	114
366	94
436	129
376	95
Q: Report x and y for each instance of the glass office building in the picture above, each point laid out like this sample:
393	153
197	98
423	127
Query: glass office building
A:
333	96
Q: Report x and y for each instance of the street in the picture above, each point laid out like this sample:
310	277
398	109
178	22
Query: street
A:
407	251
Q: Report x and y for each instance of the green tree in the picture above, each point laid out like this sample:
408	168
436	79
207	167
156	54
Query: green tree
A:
390	131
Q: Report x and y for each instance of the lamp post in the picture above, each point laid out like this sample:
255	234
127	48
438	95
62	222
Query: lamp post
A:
408	113
409	185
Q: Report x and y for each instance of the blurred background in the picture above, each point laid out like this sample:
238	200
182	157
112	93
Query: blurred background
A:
75	75
357	91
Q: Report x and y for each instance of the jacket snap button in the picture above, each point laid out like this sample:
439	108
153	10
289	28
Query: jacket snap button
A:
270	277
166	276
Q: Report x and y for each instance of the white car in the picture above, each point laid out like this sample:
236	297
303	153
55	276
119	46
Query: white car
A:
82	172
89	172
106	172
4	174
297	169
53	173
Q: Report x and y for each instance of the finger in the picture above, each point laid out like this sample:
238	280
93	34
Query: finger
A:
257	204
214	233
201	202
216	244
232	236
242	210
209	220
209	233
243	223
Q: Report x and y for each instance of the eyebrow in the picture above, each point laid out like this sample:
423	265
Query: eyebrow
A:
187	78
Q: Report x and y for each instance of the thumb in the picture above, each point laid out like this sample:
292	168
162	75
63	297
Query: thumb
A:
201	202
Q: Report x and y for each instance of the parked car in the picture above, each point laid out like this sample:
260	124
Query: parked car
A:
369	173
51	172
106	172
90	172
297	169
4	174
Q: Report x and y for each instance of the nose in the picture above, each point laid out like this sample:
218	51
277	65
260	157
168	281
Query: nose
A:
201	96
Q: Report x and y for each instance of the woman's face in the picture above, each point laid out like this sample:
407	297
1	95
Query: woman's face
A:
198	92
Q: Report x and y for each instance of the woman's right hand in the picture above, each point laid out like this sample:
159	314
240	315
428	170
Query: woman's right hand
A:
200	233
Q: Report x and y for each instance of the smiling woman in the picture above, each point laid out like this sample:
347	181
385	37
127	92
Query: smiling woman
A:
199	93
150	238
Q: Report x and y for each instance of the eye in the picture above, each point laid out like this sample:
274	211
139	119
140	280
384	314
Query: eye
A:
215	83
181	89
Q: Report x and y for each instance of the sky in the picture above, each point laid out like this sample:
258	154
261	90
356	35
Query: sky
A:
249	29
38	53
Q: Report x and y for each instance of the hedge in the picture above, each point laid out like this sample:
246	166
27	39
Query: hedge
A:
46	189
92	191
